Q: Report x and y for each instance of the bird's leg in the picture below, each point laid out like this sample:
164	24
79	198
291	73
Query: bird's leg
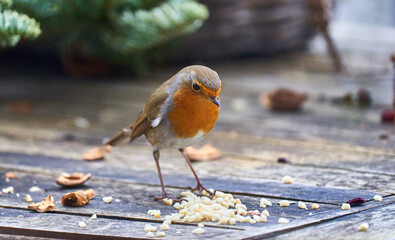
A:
164	194
199	186
156	157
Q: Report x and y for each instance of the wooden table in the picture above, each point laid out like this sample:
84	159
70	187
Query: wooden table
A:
336	153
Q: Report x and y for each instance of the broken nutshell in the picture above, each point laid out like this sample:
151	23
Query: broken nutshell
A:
77	199
72	180
11	175
283	99
97	153
205	153
47	205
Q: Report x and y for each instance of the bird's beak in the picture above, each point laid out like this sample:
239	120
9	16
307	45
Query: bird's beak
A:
215	101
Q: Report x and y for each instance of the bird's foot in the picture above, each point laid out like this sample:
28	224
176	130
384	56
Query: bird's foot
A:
164	196
201	188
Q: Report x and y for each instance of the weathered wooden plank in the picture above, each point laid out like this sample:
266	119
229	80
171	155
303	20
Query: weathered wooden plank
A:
381	226
261	187
332	233
65	226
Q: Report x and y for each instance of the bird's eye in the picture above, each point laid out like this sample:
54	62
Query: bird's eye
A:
195	86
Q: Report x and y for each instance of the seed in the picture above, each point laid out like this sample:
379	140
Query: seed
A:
198	230
284	203
346	206
168	201
302	205
378	198
150	234
283	220
160	234
93	217
149	228
287	180
363	227
107	199
28	198
315	206
265	213
82	224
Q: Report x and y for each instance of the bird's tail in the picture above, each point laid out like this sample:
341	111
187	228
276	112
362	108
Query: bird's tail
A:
121	137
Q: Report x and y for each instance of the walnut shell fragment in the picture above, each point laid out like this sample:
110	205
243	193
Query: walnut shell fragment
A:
205	153
96	153
47	205
11	175
77	199
72	180
283	99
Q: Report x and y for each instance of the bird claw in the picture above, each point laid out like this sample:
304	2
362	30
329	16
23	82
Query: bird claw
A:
164	196
201	188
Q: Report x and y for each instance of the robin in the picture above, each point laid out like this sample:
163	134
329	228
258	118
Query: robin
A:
179	113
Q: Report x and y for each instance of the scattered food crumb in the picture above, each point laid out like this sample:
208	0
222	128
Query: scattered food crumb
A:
34	189
94	217
265	213
20	216
47	205
160	234
17	195
97	153
378	198
9	190
155	213
28	198
205	153
81	122
107	199
82	224
164	226
284	203
198	230
363	227
72	180
149	228
264	202
201	225
302	205
356	201
283	220
77	199
287	180
283	99
11	175
315	206
150	234
168	201
346	206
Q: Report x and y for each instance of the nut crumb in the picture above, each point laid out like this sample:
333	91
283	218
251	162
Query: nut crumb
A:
287	180
198	230
28	198
9	190
378	198
107	199
149	228
81	224
93	217
47	205
315	206
164	226
11	175
283	220
346	206
363	227
201	225
265	213
284	203
77	199
160	234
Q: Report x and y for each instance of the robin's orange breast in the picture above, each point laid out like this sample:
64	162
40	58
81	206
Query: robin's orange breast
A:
191	113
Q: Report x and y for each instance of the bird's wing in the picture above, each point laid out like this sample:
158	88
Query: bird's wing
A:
144	121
